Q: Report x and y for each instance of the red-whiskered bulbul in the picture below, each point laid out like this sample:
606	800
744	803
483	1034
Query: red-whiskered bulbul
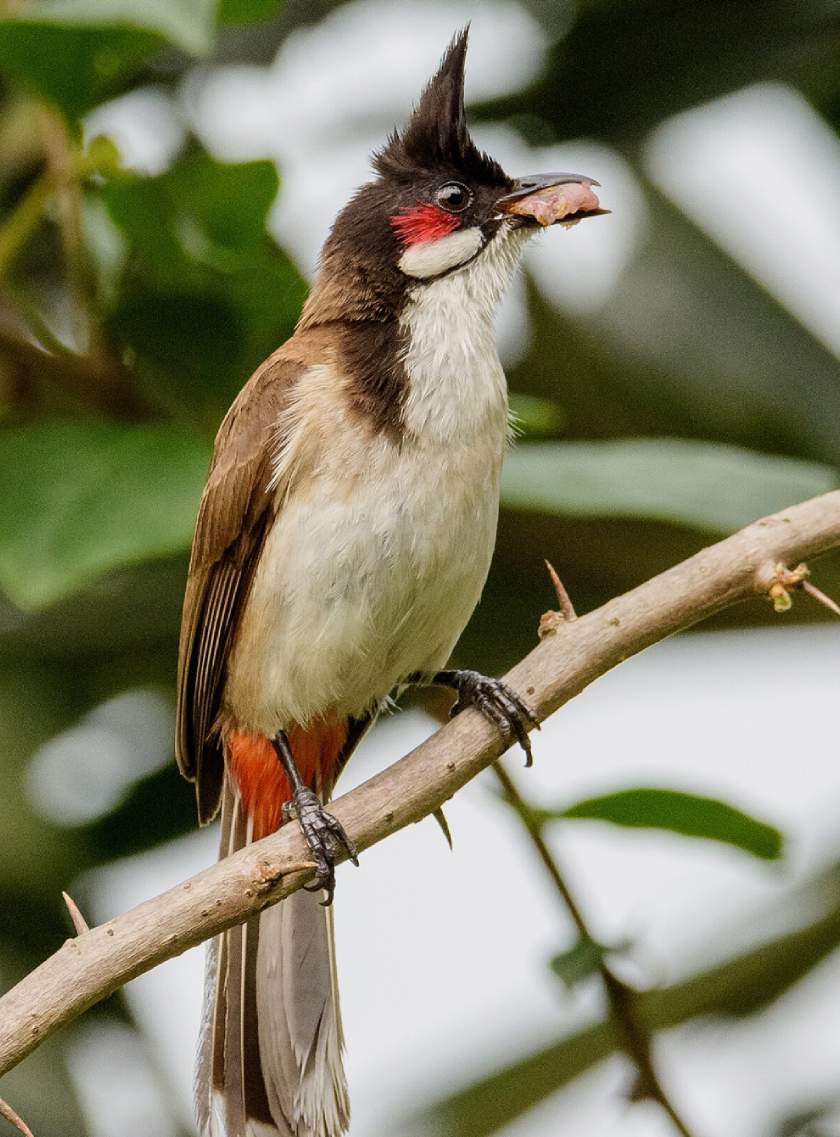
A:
343	539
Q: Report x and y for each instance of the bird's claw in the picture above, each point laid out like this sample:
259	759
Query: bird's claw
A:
323	833
499	703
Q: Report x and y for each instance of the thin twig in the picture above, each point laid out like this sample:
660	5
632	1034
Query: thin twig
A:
15	1118
818	595
88	968
67	169
24	219
622	1000
79	922
527	815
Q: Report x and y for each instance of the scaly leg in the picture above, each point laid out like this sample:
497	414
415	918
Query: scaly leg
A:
321	830
510	714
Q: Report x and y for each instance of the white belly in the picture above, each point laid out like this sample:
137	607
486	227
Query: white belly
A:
353	595
374	564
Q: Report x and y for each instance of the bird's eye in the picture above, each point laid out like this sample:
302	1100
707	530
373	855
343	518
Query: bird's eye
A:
453	196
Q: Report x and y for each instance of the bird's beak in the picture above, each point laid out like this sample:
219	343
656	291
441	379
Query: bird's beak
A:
548	199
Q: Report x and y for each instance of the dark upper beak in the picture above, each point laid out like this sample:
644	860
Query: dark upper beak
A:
532	183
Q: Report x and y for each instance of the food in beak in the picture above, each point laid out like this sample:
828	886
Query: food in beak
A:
562	203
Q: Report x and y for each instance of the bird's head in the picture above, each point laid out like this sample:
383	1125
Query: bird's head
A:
437	206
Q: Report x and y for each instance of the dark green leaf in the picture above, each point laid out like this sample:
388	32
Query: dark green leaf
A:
198	215
186	346
206	294
78	498
76	52
687	814
702	485
624	66
579	962
247	11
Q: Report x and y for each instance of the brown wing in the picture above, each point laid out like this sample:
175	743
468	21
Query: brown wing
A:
236	510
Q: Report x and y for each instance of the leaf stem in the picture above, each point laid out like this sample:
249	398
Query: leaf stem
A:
68	167
24	218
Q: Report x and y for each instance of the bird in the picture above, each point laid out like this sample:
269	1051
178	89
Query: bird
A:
342	541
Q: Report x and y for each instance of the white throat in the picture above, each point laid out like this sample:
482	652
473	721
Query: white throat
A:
431	258
456	385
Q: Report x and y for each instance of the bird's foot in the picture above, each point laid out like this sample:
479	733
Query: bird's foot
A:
323	834
499	703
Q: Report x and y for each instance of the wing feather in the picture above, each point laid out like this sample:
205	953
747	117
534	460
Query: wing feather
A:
236	511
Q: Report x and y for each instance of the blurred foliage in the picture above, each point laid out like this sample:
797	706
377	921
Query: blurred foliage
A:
743	985
78	52
132	308
690	815
58	530
672	480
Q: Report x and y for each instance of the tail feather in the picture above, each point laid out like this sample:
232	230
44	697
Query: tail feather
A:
301	1035
270	1055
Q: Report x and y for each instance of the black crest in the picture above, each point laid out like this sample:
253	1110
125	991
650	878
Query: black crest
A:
436	136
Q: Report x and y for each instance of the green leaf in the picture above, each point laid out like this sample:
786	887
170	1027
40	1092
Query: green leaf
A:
188	24
247	11
701	485
206	293
687	814
79	498
579	962
77	52
204	211
186	346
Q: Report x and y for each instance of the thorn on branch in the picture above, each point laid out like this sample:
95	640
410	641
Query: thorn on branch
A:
550	621
440	818
79	922
12	1117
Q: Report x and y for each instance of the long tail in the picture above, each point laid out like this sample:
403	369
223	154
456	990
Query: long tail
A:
270	1059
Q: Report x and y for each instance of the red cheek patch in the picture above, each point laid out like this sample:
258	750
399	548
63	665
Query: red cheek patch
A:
423	223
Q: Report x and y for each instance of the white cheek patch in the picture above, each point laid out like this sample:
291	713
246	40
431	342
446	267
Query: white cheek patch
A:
431	258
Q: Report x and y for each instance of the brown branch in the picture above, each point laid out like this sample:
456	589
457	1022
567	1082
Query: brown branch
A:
91	966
